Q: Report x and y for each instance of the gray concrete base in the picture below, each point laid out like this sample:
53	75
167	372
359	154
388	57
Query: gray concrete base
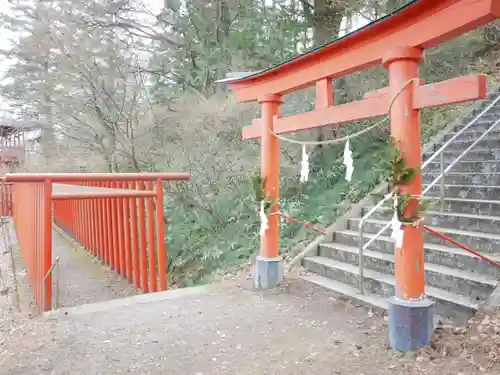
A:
268	272
411	323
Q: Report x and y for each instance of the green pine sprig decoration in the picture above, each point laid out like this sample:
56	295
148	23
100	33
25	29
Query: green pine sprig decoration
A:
398	173
257	183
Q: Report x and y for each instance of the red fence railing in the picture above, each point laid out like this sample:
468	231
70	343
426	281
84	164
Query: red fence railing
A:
118	218
32	219
5	198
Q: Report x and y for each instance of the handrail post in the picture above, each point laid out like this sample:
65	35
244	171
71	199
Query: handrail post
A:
49	273
361	259
57	283
442	180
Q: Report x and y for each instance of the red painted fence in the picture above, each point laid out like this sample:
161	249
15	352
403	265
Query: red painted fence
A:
5	198
118	218
33	219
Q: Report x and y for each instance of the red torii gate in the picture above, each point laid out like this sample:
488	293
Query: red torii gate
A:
398	42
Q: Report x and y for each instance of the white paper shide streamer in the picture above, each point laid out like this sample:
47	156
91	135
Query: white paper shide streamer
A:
304	165
264	224
348	162
396	226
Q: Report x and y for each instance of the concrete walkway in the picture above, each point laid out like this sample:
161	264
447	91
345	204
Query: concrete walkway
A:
223	329
83	279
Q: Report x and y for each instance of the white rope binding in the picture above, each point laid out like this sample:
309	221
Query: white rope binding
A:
264	224
304	165
348	162
397	231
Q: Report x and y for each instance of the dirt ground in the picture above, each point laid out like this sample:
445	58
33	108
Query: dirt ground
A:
230	329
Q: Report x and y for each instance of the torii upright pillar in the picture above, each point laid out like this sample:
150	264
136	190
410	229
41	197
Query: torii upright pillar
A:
410	312
268	272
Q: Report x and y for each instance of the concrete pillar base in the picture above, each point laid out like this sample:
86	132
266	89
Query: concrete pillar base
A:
411	323
268	272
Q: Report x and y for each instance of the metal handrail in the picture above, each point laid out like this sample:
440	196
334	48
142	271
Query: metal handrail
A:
443	171
458	159
54	265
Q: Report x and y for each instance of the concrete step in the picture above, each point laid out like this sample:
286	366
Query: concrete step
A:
452	220
487	207
475	154
462	144
475	285
456	279
447	304
466	191
348	292
470	166
481	125
491	115
472	135
479	241
463	178
469	205
350	237
495	109
451	257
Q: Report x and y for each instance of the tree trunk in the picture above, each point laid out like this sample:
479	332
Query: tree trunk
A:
45	107
327	19
392	5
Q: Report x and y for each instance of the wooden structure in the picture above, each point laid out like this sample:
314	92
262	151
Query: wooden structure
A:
12	146
398	42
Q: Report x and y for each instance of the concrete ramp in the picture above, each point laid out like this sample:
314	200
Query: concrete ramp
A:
223	329
79	278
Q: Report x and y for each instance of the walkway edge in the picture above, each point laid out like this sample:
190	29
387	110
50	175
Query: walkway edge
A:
129	301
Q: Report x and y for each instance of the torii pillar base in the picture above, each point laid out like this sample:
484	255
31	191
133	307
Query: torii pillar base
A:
268	272
411	314
411	323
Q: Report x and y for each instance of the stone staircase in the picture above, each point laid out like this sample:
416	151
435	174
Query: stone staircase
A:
456	280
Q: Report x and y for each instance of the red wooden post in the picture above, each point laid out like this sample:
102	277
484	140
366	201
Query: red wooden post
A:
269	265
324	93
135	238
100	225
47	242
127	237
88	232
114	232
402	64
410	313
108	233
121	235
151	240
143	256
160	233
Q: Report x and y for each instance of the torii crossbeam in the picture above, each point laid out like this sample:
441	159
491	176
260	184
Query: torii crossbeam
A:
398	42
